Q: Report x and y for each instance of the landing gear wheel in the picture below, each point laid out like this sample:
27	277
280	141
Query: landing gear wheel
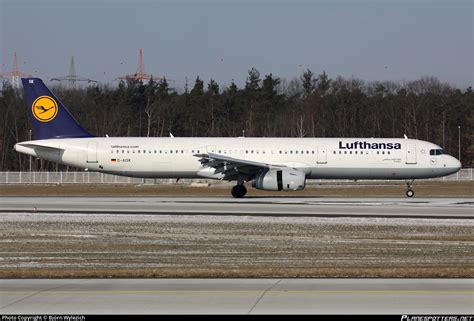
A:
239	191
409	192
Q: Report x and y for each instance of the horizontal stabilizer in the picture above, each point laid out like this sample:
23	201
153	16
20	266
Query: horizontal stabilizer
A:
33	146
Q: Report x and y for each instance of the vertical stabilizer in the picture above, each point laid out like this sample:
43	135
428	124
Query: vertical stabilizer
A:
49	117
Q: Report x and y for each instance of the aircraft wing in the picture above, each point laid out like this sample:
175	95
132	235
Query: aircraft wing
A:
231	168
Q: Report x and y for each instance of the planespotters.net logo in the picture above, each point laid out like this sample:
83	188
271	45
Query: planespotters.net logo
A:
437	318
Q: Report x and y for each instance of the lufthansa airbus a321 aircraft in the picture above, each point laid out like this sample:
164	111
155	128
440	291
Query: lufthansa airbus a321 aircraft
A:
274	164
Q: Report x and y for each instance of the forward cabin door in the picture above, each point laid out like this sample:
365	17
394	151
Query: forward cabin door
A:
411	153
92	152
322	155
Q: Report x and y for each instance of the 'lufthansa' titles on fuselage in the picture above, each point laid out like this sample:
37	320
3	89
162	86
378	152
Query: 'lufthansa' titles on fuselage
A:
367	145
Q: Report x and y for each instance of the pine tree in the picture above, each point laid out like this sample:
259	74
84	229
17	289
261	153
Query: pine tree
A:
309	83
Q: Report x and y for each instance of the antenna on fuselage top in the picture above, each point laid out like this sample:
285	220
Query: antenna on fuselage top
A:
171	135
405	136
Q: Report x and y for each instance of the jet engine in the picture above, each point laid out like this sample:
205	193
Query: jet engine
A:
280	180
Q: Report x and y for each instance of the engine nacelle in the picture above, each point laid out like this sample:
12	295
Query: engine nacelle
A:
280	180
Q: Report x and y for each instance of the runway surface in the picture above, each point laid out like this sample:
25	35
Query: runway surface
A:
237	296
164	238
285	206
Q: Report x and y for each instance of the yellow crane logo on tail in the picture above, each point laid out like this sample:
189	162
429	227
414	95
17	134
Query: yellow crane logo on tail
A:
44	108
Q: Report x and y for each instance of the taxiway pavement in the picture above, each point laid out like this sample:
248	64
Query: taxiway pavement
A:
239	296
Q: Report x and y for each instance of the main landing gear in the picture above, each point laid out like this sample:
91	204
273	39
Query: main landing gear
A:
239	191
409	192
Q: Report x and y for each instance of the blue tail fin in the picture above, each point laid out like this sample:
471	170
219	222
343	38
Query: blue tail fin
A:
49	117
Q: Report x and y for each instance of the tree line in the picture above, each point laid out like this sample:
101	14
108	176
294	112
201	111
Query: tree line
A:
308	106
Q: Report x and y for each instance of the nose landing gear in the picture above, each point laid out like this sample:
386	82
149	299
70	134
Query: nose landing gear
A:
409	192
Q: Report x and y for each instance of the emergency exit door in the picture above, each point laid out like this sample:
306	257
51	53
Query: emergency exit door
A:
322	155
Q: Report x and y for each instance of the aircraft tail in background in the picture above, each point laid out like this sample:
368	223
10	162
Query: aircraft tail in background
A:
49	117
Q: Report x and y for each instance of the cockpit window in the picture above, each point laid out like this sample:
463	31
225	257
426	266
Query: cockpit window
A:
436	152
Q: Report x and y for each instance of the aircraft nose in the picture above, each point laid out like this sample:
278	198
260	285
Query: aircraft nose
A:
458	164
455	164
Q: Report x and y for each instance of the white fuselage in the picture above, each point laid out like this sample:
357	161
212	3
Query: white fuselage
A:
338	158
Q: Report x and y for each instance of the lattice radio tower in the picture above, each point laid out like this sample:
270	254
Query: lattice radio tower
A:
72	78
140	74
15	74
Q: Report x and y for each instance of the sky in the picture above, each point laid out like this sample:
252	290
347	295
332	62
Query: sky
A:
371	40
